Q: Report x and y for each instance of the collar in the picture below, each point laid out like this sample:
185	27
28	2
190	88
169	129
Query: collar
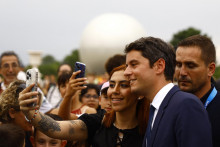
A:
204	98
158	99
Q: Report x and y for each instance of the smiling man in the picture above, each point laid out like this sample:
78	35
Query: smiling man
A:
176	118
9	68
195	57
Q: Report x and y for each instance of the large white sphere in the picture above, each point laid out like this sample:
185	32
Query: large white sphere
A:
105	36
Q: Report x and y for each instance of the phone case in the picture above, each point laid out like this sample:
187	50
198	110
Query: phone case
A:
82	67
32	77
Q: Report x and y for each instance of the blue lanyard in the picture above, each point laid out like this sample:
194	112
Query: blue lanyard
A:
211	97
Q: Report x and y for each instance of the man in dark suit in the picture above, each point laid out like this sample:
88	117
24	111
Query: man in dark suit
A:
176	118
195	57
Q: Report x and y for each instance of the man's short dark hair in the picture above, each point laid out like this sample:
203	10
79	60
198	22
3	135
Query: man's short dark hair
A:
154	49
114	61
207	47
9	53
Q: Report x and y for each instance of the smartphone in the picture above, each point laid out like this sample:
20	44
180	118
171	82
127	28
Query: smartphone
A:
32	77
82	67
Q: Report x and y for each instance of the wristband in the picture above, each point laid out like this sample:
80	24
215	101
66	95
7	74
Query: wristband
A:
35	113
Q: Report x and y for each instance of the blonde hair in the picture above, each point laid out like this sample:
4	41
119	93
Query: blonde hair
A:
9	99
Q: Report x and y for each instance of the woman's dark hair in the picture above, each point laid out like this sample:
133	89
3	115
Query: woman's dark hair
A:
63	78
89	86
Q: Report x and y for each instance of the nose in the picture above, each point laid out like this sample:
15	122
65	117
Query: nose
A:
116	89
10	68
183	71
127	71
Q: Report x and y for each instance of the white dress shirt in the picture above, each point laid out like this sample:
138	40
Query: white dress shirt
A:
158	99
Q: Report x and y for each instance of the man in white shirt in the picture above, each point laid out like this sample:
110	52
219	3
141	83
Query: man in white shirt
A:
9	68
176	118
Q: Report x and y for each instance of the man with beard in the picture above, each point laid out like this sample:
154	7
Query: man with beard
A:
176	118
195	66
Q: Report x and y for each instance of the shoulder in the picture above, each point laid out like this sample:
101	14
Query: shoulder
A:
87	109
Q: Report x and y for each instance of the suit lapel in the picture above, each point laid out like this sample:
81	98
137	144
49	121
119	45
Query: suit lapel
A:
161	111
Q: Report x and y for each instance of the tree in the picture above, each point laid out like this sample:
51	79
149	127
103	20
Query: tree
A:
72	58
48	59
217	72
184	34
49	65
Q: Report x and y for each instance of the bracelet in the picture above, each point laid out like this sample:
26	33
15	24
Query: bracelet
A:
35	113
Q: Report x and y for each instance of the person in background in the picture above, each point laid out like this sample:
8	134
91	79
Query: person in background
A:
10	112
125	126
39	139
76	107
90	96
104	100
176	118
9	68
11	136
114	61
53	95
195	66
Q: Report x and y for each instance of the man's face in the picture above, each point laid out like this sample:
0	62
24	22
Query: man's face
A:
191	71
139	72
9	68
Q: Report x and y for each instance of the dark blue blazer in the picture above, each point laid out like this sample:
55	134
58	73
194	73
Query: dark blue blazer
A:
181	121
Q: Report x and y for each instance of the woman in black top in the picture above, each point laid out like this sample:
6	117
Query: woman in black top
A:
125	126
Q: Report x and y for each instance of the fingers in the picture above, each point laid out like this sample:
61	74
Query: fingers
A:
77	83
74	74
27	89
26	104
26	99
28	95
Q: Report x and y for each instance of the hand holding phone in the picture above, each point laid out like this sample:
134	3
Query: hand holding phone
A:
32	78
82	67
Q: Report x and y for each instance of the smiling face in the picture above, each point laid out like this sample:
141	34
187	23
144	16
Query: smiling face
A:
139	73
119	92
192	74
9	68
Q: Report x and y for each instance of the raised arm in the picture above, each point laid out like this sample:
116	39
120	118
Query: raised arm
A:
68	130
73	86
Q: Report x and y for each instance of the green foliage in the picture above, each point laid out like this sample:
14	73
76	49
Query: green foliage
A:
217	72
48	59
184	34
72	58
49	65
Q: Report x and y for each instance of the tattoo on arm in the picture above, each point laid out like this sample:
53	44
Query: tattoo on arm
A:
82	126
48	124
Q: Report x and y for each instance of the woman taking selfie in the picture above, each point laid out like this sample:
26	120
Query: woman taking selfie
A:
124	126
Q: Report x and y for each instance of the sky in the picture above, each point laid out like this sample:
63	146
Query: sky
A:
56	26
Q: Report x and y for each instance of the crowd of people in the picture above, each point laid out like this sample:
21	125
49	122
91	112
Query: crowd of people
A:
155	96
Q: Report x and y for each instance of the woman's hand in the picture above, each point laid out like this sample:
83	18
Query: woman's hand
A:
27	98
75	84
